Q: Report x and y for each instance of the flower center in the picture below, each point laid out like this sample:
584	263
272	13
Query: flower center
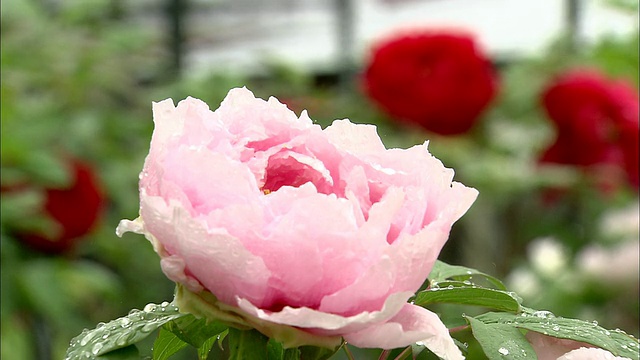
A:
288	168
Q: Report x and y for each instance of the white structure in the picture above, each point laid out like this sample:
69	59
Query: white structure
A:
242	34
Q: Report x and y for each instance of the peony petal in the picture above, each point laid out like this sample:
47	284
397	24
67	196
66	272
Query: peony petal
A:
590	354
412	324
218	260
327	323
358	139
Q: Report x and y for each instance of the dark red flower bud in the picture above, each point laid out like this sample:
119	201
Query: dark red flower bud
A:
440	81
75	209
597	124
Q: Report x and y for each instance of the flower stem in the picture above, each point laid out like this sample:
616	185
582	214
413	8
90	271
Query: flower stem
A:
404	354
348	352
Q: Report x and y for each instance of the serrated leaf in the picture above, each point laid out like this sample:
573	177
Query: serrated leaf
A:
203	351
121	332
617	342
247	344
501	341
442	271
194	331
469	295
166	344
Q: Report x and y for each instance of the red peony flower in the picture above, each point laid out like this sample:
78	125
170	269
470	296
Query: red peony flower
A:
440	81
597	124
75	209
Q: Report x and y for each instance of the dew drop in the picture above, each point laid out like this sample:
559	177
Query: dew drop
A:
556	328
148	328
85	340
125	323
96	348
607	332
121	341
450	287
543	314
149	308
595	323
503	351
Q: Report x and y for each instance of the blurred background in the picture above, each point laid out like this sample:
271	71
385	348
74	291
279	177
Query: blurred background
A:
535	104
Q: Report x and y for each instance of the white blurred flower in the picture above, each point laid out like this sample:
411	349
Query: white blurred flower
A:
524	282
622	223
615	265
547	256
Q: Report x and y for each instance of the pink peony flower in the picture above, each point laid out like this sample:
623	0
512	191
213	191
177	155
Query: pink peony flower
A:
308	235
439	80
551	348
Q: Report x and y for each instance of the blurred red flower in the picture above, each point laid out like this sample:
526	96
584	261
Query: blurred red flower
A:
597	124
438	80
75	209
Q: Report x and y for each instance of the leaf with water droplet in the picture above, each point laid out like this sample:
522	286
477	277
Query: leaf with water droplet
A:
564	328
442	271
501	341
113	335
457	292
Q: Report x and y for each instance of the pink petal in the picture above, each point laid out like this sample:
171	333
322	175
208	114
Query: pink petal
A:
326	323
412	324
590	354
358	139
218	260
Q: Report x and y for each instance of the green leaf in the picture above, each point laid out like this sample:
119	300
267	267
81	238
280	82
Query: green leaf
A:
166	344
127	353
275	350
442	271
121	332
617	342
247	344
316	353
460	293
203	351
194	331
501	341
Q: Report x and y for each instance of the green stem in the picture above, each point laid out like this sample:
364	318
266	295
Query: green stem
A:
348	352
404	354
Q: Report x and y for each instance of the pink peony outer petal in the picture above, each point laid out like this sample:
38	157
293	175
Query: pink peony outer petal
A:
413	324
323	232
590	354
551	348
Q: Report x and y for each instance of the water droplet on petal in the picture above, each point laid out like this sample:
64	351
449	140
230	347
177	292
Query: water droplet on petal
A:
125	322
149	308
503	351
